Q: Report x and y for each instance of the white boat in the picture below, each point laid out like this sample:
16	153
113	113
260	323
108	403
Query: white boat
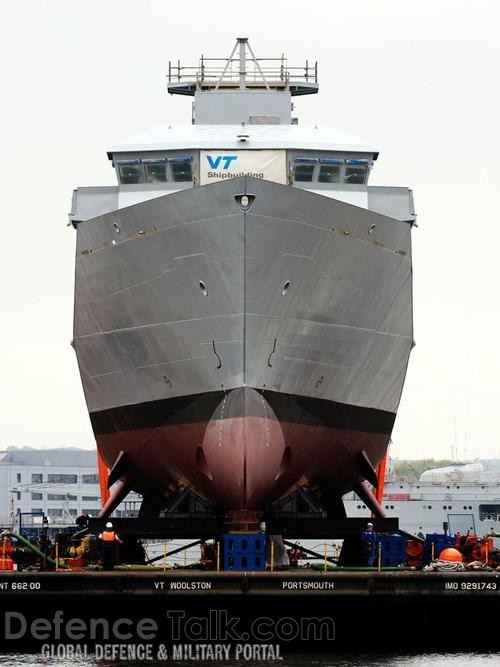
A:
457	498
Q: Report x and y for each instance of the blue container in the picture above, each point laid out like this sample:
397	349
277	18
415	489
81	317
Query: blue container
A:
244	552
245	563
440	542
244	542
393	550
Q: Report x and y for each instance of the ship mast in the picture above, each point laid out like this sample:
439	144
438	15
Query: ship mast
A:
245	89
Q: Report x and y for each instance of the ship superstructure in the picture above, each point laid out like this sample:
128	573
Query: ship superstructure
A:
457	498
243	300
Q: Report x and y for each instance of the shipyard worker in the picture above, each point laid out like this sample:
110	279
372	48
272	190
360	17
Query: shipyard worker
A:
110	541
369	539
420	534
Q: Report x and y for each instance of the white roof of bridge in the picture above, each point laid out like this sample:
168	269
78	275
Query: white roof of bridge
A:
302	137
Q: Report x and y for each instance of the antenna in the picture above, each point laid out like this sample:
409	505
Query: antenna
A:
465	434
454	448
243	71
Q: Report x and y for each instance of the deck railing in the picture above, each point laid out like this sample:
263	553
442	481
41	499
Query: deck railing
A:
224	72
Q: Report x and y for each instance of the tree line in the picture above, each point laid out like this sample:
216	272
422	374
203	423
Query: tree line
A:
412	469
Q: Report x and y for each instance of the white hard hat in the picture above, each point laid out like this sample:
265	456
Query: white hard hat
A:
369	524
109	525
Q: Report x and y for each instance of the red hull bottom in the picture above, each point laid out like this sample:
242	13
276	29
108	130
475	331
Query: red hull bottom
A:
242	449
242	462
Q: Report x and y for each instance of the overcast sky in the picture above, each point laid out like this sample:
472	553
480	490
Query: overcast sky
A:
419	79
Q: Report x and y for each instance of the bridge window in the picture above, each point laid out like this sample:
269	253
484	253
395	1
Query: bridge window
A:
356	172
303	172
329	170
156	171
181	168
304	168
130	171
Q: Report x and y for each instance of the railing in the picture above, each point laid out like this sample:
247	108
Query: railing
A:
226	72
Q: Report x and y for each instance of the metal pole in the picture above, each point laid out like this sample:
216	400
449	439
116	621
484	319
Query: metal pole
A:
272	556
379	556
218	556
258	67
326	554
164	556
485	556
243	73
57	555
433	548
228	62
45	537
13	515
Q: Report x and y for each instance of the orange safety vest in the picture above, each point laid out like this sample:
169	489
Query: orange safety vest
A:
108	536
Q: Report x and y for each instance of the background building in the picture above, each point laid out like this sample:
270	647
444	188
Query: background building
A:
60	483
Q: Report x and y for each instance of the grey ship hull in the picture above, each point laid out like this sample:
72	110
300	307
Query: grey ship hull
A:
243	351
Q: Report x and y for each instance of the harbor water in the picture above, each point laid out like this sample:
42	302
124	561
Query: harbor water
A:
292	660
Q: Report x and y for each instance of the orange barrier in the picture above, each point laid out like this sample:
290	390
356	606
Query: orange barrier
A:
381	478
103	479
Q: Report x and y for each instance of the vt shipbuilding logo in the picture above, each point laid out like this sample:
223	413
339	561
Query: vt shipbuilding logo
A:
225	166
214	162
217	165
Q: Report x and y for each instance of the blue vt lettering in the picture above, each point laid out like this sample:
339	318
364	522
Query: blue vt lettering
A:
226	159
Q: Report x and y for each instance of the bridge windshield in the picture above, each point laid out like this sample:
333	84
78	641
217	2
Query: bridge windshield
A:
156	170
174	169
356	171
130	171
304	172
330	170
181	169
